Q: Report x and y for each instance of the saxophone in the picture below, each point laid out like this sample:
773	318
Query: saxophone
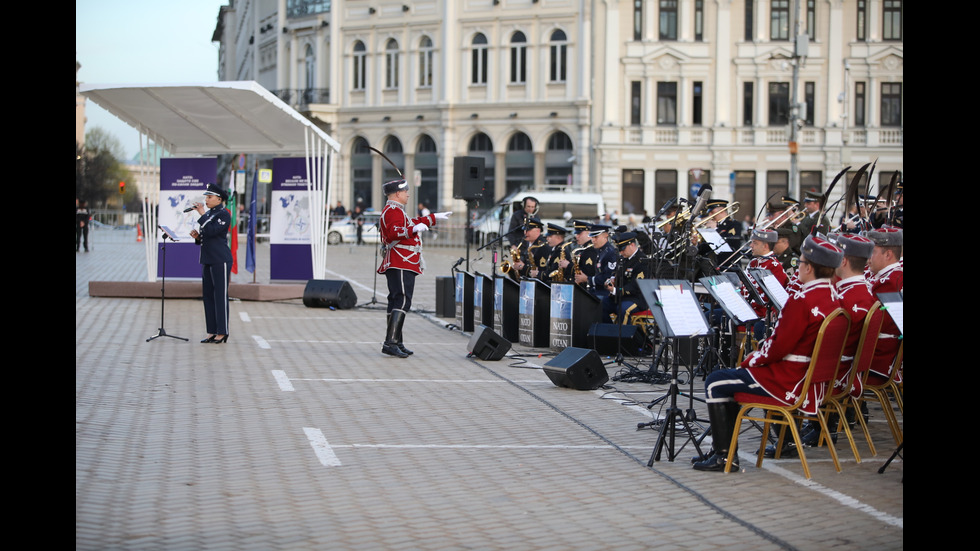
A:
507	267
558	276
576	255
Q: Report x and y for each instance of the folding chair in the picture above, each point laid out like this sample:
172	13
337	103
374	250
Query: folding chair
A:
823	366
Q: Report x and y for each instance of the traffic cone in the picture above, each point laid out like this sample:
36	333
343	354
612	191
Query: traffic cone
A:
139	233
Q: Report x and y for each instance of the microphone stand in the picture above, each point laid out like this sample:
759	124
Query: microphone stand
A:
163	285
374	290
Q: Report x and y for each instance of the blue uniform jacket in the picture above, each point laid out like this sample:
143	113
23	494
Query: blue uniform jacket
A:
214	225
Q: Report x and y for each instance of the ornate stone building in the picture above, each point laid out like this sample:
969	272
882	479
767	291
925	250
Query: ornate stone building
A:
636	99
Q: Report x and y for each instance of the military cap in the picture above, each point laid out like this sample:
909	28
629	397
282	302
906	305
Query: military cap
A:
556	229
624	238
886	236
822	252
581	226
216	191
533	222
855	245
766	236
596	229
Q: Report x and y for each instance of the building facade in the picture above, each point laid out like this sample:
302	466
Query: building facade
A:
640	100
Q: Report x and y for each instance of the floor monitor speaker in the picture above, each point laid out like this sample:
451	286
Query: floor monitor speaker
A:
611	338
578	368
326	293
487	345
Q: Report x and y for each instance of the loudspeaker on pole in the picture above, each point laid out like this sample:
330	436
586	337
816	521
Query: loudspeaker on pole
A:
578	368
487	345
326	293
468	177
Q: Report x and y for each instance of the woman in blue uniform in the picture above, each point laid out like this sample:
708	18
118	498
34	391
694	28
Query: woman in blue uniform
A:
212	236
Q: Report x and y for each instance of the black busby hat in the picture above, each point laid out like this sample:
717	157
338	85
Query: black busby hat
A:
394	186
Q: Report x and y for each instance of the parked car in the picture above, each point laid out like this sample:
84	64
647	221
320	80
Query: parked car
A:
345	231
555	207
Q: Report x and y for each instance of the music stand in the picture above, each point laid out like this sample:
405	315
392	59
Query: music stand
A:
723	289
167	232
678	314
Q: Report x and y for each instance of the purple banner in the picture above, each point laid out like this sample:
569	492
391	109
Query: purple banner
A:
290	242
182	183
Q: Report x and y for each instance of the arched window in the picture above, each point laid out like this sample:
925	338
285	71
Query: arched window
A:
310	66
393	150
359	69
482	146
391	64
427	163
559	51
518	58
479	60
558	160
360	163
425	62
519	163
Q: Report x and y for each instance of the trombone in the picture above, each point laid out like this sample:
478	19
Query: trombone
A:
792	214
730	210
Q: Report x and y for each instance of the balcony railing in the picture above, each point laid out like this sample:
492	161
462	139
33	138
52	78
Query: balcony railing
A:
302	97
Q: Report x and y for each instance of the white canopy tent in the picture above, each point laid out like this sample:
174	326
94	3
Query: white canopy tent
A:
222	118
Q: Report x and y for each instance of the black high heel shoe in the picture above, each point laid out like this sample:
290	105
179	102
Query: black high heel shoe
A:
207	340
221	340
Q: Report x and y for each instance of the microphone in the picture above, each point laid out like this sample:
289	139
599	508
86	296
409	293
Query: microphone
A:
188	209
703	196
458	262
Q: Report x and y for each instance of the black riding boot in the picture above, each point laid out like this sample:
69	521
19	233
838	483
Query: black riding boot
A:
722	416
398	337
390	346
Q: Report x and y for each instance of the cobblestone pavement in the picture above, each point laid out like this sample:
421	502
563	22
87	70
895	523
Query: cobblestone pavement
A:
299	434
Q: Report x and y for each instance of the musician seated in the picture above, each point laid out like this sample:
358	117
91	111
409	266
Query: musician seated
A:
606	259
625	297
780	366
558	268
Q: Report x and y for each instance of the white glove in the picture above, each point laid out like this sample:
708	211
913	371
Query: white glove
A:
442	215
419	228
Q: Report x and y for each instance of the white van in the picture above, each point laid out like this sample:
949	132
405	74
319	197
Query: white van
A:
554	207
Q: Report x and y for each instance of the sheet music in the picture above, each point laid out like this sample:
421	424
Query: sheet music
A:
895	310
717	242
775	289
732	298
682	310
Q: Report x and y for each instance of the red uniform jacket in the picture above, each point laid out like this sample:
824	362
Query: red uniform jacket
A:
768	262
856	300
888	280
780	365
403	247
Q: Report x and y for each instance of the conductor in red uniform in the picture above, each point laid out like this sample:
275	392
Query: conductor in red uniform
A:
402	262
779	367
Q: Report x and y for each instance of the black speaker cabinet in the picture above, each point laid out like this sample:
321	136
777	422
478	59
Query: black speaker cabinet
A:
611	338
468	177
445	297
487	345
324	293
578	368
